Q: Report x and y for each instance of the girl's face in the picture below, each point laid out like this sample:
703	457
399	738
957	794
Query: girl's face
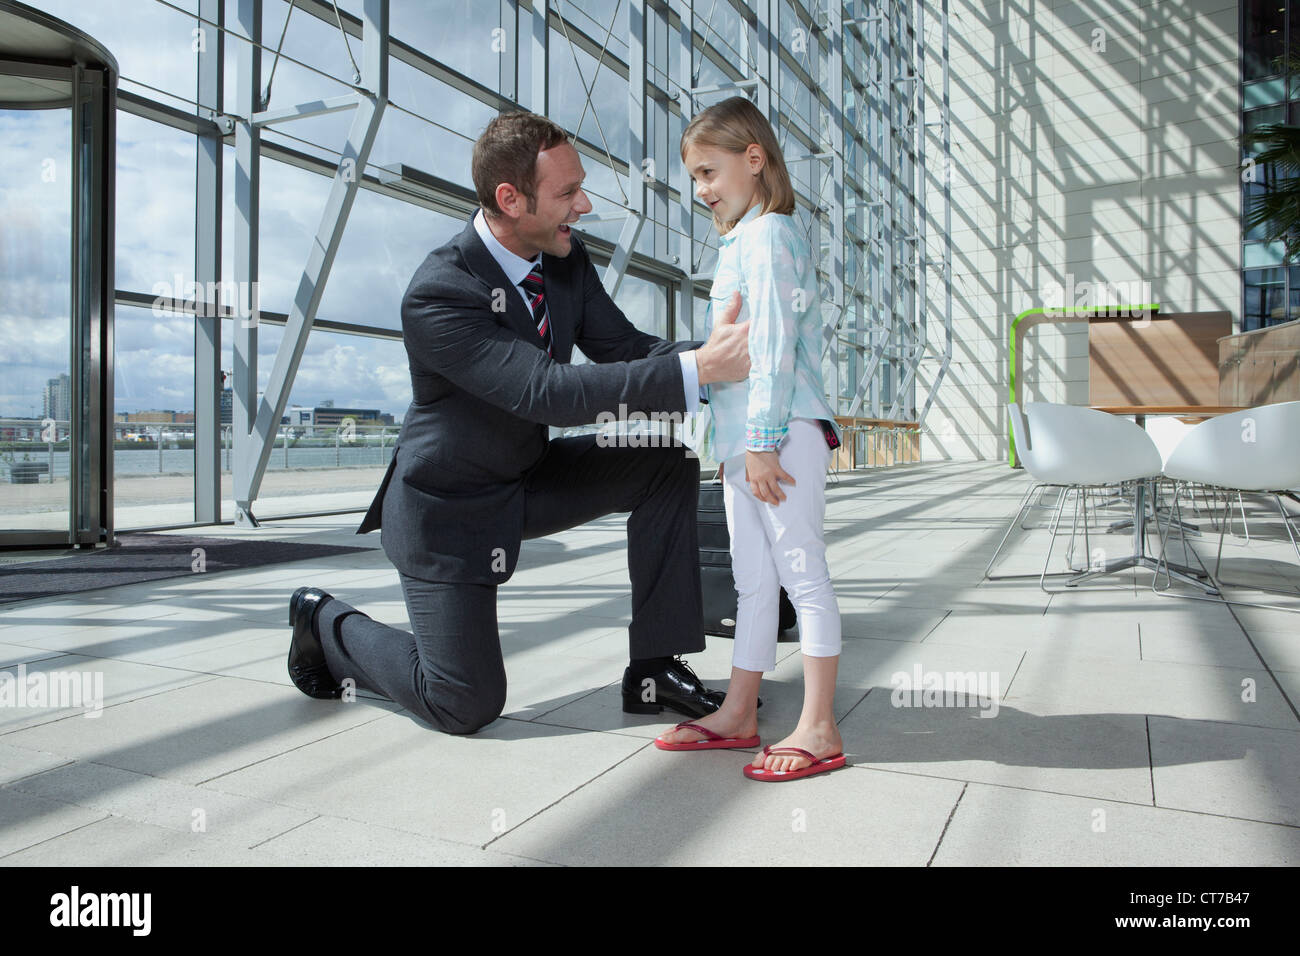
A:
727	182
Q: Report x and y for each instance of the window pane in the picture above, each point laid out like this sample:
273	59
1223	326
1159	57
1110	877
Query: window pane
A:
1262	38
482	42
384	243
330	463
35	304
1263	296
567	98
155	207
645	304
153	418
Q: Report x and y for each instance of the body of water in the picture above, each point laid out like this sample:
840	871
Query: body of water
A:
180	461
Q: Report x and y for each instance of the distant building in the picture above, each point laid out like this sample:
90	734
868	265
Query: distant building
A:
156	417
56	399
326	417
24	429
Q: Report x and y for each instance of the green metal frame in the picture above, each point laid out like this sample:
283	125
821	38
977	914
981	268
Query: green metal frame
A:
1078	314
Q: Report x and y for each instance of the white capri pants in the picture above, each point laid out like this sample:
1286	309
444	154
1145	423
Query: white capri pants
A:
774	546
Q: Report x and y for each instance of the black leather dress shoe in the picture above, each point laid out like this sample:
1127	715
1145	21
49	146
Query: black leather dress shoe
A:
307	668
675	687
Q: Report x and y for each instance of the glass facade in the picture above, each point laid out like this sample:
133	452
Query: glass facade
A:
837	80
1270	93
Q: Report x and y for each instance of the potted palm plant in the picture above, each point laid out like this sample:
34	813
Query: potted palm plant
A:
1276	147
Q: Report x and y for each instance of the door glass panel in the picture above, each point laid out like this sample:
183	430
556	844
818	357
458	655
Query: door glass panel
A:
35	311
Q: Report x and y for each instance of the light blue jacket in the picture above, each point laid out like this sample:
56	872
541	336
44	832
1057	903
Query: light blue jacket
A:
766	257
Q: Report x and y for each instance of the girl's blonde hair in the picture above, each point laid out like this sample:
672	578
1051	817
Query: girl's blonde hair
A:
732	125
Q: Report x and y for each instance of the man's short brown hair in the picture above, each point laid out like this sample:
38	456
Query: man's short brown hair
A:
507	151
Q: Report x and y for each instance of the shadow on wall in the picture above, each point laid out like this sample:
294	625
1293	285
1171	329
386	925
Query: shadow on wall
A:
1093	149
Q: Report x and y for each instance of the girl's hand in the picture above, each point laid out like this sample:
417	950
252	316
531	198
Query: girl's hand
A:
763	471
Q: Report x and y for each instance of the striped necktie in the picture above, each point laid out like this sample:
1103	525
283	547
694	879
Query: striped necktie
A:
532	284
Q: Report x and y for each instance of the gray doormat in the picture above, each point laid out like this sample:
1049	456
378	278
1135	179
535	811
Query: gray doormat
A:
149	557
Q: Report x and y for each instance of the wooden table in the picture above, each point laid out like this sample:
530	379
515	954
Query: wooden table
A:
1191	414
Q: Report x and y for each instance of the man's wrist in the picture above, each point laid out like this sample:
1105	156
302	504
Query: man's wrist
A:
701	366
692	393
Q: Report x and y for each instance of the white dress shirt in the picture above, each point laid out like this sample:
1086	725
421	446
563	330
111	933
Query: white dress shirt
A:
517	268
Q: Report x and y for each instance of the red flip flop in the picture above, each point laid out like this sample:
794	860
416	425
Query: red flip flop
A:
821	765
714	741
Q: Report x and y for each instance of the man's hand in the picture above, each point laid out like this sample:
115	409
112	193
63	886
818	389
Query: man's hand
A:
762	471
725	356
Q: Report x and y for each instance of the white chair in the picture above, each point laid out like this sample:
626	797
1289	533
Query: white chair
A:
1254	451
1078	449
1028	460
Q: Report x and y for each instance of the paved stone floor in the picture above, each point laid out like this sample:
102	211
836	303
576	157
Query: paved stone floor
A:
1119	726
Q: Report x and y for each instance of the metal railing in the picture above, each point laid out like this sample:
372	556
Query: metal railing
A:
40	451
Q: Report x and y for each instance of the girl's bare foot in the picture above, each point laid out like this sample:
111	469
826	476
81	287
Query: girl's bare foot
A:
724	722
820	738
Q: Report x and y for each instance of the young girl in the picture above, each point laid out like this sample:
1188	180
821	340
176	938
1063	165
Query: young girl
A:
773	435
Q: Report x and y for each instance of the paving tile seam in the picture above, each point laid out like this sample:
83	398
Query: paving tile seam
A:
1074	796
361	694
1010	683
184	670
76	624
112	766
1151	762
1249	640
891	640
225	842
1031	700
368	824
13	785
624	732
562	797
522	856
1153	663
140	819
946	614
308	743
849	712
1158	660
107	707
1226	723
36	660
275	836
56	836
559	706
152	663
946	823
67	762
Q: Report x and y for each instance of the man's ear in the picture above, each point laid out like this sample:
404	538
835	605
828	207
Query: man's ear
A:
509	201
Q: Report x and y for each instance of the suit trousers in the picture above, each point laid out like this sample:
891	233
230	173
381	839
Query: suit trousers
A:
450	671
776	546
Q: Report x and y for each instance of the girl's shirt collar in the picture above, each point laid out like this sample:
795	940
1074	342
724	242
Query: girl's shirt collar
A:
750	216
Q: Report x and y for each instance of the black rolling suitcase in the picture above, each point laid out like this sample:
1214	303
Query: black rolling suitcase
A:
715	570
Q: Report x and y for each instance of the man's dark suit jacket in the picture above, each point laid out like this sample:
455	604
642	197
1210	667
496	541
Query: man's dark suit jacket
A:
451	504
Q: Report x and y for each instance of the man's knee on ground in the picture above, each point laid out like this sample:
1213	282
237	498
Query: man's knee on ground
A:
468	711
